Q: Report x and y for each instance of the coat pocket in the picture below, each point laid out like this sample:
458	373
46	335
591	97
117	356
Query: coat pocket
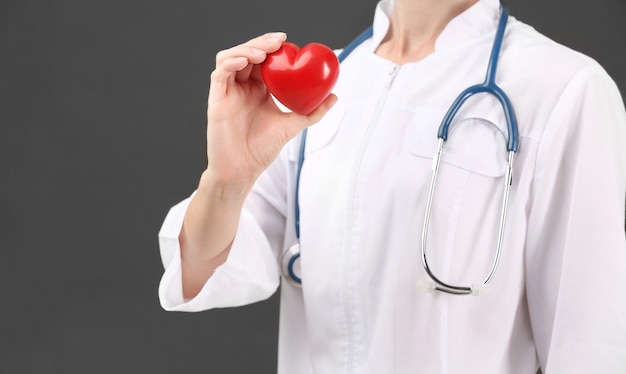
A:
476	144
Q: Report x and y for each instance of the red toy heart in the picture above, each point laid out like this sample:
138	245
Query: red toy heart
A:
301	78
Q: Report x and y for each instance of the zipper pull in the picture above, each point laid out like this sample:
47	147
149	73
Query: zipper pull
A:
391	76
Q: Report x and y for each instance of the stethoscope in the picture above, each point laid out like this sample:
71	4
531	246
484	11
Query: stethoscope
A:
292	255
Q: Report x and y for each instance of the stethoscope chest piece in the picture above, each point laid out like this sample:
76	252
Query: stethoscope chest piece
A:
290	262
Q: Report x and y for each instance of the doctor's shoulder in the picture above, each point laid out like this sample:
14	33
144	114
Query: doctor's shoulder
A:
546	58
544	75
543	59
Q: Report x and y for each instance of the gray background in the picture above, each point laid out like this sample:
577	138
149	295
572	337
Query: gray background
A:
102	117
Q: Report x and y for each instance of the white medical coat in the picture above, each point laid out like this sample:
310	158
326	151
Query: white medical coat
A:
558	298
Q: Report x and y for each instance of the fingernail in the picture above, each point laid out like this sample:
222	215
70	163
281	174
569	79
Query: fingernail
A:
280	35
272	40
275	37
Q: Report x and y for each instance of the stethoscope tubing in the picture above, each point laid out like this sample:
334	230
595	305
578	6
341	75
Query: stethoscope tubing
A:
489	86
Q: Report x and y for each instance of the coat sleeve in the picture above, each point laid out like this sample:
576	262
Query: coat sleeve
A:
250	273
576	247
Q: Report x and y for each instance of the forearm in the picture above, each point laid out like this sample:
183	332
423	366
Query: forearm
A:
209	227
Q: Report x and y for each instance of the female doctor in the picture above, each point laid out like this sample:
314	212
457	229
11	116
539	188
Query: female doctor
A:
557	300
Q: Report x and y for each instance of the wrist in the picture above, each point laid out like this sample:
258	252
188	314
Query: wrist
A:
224	189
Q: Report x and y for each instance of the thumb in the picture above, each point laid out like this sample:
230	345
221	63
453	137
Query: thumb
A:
304	121
319	112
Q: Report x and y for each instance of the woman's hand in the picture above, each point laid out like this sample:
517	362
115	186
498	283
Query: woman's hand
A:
245	133
246	130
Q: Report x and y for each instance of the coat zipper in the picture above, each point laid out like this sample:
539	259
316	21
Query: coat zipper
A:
355	176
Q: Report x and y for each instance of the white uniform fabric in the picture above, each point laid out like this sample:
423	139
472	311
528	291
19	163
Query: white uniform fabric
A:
558	299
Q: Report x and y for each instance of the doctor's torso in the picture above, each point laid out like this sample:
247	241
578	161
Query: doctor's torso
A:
363	192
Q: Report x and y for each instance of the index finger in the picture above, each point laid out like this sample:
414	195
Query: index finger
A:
267	43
